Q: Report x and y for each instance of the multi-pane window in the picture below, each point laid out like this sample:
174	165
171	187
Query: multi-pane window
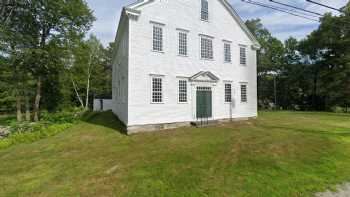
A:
182	43
182	91
243	55
206	48
157	38
227	50
157	90
228	93
204	10
244	97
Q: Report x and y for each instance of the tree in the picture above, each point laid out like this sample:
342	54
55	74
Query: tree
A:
89	70
327	50
106	92
56	23
7	98
270	61
294	78
16	36
36	37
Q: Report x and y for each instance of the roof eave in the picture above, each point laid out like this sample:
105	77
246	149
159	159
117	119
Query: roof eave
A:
139	3
132	12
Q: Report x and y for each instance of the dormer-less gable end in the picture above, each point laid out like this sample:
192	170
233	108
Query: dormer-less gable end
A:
140	3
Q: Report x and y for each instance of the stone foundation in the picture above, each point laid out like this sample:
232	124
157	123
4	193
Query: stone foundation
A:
157	127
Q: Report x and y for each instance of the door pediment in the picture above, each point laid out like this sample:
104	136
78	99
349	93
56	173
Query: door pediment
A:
204	76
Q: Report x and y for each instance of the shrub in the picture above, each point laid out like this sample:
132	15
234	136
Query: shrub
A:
66	116
28	137
24	127
338	109
50	124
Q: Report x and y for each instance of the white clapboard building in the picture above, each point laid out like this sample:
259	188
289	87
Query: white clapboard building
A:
183	61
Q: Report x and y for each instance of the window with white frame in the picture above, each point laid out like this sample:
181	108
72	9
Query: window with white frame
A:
182	43
227	52
157	90
243	55
182	91
204	10
244	96
157	38
206	47
228	92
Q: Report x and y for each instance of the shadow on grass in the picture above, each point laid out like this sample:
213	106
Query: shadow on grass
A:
105	119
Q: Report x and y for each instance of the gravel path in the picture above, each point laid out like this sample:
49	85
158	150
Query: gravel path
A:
342	191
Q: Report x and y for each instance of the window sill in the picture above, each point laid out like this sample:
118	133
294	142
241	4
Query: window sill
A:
227	62
182	55
162	52
245	65
206	59
207	21
153	103
182	103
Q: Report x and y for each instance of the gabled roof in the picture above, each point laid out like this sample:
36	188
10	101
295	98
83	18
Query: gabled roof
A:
226	4
206	76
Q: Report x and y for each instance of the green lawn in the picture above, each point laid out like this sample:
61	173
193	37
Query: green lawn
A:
280	154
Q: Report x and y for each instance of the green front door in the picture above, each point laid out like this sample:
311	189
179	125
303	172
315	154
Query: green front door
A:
204	102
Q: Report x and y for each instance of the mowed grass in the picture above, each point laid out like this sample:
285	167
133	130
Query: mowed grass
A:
280	154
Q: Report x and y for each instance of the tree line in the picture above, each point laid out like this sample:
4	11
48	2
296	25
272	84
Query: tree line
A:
46	62
310	74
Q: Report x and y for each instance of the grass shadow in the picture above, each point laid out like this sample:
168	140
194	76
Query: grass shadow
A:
105	119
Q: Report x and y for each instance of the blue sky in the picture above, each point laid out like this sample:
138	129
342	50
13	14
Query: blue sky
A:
280	24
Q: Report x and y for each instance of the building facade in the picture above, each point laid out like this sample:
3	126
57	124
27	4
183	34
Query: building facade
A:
182	61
